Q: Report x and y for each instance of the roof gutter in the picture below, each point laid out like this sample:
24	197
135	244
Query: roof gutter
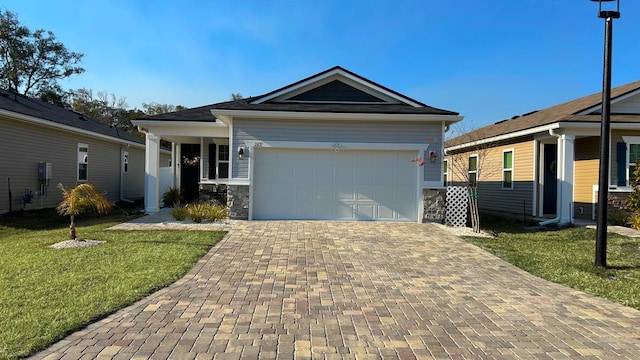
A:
258	114
525	132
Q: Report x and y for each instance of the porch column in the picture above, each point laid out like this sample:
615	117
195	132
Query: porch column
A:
152	170
565	177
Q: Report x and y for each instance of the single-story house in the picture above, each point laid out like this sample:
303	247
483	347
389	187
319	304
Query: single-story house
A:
333	146
544	164
43	145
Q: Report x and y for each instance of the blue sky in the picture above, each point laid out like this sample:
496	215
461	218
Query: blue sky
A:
488	60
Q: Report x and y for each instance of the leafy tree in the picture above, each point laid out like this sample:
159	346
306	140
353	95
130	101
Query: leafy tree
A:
79	199
32	61
103	107
155	108
55	95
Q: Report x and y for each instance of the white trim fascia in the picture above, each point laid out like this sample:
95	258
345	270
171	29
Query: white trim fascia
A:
168	123
239	181
337	146
525	132
331	73
260	114
250	173
55	125
613	101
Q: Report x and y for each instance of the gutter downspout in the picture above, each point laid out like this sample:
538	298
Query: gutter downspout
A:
560	165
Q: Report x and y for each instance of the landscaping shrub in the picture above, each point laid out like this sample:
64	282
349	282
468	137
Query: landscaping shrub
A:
172	197
618	217
197	212
635	221
179	213
216	212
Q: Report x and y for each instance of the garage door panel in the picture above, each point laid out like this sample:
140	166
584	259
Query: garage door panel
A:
343	185
384	213
365	212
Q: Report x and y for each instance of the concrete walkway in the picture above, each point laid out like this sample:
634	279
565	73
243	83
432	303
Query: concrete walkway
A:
336	290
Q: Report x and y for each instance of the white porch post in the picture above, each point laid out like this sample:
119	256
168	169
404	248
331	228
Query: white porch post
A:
152	170
565	177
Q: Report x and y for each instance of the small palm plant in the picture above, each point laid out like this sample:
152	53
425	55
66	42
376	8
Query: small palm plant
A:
78	200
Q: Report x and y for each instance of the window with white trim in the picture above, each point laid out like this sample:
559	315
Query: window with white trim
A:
223	161
125	162
627	153
473	170
83	162
445	172
507	169
634	154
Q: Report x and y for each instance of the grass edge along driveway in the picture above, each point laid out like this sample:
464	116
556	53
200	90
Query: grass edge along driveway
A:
567	257
46	294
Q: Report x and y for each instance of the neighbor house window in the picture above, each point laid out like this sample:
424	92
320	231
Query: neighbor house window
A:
445	172
507	169
83	162
473	170
125	162
634	154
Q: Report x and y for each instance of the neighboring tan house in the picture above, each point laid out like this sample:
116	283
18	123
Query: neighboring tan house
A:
332	146
43	145
544	164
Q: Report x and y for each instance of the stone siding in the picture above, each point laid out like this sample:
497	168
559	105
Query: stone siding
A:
433	205
238	201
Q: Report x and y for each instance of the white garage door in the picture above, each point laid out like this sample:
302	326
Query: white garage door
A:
330	185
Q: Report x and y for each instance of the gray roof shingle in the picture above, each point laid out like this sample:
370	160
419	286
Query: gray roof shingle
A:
565	112
203	113
21	104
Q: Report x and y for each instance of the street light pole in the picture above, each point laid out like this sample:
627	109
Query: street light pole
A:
603	180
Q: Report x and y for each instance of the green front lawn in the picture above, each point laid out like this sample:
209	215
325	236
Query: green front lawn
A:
567	257
45	294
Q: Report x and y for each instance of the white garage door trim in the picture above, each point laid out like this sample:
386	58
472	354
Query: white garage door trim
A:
363	207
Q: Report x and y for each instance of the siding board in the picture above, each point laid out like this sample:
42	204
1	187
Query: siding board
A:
25	144
245	130
627	106
491	196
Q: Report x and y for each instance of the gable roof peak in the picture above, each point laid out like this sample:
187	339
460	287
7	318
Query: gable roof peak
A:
343	75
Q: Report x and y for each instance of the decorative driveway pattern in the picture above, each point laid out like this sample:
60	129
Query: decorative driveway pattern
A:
338	290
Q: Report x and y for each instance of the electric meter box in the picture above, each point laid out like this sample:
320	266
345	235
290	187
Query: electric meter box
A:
45	171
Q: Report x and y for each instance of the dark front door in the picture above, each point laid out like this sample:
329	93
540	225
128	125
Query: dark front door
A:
189	171
550	171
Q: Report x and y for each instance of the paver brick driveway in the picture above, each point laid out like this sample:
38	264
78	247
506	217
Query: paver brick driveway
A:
336	290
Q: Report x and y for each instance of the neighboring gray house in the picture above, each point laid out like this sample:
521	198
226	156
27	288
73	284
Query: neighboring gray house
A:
332	146
43	145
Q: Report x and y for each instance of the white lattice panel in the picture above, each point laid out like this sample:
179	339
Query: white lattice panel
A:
457	203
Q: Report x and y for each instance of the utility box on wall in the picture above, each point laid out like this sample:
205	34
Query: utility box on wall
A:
45	171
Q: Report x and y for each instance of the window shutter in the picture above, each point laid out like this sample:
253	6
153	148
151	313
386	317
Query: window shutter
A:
621	157
212	160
